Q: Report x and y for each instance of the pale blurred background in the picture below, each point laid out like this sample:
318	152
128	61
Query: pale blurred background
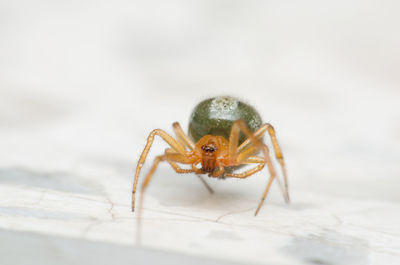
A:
82	83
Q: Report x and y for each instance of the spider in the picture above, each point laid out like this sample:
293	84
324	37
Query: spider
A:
224	134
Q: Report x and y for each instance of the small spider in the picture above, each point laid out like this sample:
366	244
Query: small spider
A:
224	133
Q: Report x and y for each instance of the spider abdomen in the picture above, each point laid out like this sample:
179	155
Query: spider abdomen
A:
215	116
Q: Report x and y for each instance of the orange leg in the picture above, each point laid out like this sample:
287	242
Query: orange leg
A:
242	156
278	153
217	173
170	158
167	138
251	171
246	154
272	172
179	169
237	127
260	160
182	137
194	169
182	170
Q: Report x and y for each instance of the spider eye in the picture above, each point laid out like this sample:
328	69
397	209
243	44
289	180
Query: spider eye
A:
209	148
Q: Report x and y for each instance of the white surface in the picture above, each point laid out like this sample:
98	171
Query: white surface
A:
83	83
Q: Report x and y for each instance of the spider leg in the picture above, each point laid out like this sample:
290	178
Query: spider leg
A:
217	173
247	154
178	169
169	157
258	134
261	161
167	138
278	153
237	127
239	158
244	157
250	160
205	184
194	169
182	137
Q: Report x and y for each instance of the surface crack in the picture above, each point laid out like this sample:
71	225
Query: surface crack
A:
218	219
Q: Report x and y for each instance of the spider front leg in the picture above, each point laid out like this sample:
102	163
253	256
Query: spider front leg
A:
240	158
193	169
171	158
278	153
247	173
250	160
261	161
167	138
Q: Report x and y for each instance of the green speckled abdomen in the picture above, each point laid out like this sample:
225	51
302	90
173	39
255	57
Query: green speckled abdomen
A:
215	116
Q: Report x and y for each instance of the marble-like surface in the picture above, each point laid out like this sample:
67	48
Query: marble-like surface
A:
83	83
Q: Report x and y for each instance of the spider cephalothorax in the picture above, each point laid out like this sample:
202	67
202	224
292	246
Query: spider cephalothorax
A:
224	133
